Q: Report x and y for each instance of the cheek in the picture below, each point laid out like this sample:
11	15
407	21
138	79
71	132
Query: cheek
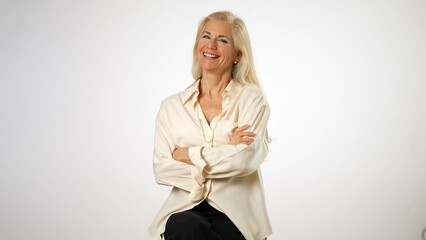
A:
201	44
200	48
229	52
198	53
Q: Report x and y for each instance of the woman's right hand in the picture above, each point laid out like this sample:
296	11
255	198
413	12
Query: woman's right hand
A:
240	135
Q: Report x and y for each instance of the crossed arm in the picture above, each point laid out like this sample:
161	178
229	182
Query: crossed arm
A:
188	167
239	135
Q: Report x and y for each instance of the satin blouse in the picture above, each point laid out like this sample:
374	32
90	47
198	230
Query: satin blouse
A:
227	176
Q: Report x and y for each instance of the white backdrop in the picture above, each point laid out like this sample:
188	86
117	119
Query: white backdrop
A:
81	83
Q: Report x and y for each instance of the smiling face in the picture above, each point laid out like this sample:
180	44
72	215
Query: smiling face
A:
215	49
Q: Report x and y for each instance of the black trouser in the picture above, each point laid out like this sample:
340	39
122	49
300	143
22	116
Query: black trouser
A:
203	222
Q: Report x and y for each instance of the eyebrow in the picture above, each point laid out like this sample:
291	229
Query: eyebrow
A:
218	35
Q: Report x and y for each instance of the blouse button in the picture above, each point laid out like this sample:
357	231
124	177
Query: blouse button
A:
208	138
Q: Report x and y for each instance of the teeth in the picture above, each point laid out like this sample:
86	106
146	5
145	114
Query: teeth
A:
210	55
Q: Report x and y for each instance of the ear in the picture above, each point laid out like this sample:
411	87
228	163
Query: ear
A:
238	55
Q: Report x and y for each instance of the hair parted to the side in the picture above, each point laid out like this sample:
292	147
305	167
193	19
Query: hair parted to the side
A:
243	72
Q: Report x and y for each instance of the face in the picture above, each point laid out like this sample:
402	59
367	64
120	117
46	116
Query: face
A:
215	50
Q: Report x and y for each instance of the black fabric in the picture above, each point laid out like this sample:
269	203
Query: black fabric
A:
203	222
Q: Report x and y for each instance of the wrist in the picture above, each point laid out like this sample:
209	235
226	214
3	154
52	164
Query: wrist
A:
181	154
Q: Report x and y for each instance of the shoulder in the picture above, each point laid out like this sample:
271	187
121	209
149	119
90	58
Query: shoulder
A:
171	98
251	90
252	93
177	100
170	102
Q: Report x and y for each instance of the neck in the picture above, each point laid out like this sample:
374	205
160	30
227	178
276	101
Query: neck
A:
213	85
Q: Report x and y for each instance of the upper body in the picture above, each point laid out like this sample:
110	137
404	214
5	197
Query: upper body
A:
211	139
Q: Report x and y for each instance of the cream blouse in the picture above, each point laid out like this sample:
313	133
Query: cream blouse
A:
227	176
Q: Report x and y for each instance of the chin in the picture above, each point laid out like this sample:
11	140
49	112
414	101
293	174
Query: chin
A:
208	68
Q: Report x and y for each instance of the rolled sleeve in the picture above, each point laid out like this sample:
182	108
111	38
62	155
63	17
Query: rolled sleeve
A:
199	163
197	172
170	172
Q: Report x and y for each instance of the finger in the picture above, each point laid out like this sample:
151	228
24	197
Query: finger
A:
247	134
247	141
246	137
242	128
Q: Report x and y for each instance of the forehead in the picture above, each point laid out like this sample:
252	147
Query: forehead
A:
216	27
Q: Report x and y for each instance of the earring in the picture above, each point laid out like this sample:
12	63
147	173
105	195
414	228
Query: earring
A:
235	63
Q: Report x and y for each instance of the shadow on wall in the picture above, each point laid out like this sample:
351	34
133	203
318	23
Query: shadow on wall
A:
424	234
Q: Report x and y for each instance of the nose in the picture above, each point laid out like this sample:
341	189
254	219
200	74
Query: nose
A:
212	44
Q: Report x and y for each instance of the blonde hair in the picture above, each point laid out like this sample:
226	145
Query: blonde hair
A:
243	72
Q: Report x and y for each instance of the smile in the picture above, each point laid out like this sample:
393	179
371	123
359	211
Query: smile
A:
209	55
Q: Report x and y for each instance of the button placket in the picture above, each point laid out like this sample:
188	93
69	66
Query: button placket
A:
208	135
209	129
213	126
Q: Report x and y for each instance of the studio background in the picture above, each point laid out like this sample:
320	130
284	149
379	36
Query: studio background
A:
81	83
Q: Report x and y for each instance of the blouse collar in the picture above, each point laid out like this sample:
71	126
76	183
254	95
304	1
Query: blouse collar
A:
193	91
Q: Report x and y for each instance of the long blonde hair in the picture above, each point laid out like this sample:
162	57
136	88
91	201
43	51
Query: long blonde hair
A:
243	72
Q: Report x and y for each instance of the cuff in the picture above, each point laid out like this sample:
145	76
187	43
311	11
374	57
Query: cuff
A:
197	172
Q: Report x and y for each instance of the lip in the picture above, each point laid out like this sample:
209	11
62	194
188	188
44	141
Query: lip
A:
210	55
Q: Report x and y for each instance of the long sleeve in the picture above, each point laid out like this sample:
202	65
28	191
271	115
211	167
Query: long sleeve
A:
220	170
168	171
237	160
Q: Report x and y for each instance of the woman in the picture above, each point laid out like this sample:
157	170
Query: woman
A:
211	140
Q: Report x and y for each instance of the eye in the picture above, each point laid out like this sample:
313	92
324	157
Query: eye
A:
205	36
223	40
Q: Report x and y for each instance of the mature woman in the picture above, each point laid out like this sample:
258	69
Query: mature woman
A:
211	140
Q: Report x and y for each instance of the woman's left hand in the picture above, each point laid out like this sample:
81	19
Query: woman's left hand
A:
181	154
241	135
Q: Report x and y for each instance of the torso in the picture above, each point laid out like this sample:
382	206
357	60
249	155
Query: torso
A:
211	107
